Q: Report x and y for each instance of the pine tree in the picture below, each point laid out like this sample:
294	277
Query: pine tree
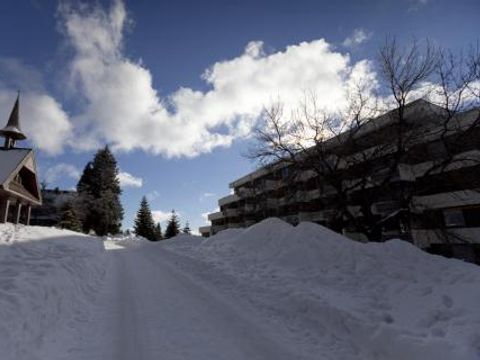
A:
86	180
99	195
69	219
186	229
173	226
144	225
158	232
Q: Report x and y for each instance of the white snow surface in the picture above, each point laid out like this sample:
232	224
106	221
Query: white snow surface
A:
272	291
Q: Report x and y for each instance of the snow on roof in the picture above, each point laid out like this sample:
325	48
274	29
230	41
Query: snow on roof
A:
9	160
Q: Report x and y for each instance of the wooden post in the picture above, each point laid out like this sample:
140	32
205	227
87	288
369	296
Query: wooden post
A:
29	211
4	206
18	212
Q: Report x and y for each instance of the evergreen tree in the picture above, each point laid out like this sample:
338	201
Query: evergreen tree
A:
86	180
158	232
144	225
99	195
186	229
69	219
173	226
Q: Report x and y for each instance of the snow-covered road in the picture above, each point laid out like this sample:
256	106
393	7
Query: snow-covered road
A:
269	292
155	311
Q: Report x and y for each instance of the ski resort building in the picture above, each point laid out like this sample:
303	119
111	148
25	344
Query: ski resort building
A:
19	189
445	201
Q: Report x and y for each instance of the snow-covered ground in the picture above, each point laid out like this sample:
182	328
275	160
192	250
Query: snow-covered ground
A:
272	291
49	280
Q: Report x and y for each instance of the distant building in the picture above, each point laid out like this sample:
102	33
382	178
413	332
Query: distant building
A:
19	189
449	199
54	201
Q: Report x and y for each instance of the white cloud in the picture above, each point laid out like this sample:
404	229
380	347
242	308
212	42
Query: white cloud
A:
42	118
128	113
357	37
61	171
128	180
163	216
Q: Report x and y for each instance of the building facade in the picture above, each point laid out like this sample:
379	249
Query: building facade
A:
443	187
19	189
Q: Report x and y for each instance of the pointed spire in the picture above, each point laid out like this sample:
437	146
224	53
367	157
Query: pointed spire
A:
12	129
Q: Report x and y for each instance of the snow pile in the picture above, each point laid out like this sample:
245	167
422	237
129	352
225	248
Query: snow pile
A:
341	299
48	283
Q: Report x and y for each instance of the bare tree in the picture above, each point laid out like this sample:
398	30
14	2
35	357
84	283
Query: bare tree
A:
356	157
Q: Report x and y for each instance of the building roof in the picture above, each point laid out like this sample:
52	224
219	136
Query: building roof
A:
12	129
10	160
18	175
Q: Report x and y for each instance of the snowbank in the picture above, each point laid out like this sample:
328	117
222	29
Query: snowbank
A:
348	300
48	281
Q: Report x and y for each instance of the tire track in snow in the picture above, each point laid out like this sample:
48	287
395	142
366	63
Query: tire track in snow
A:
163	314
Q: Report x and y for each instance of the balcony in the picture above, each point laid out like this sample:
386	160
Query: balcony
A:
217	228
235	225
306	175
249	208
228	199
272	204
444	200
312	195
316	216
215	216
244	192
269	185
310	216
231	212
204	229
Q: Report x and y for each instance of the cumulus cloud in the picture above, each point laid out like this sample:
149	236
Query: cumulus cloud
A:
123	109
357	37
42	118
128	180
160	216
61	171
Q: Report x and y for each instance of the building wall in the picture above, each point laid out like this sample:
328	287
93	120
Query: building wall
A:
448	199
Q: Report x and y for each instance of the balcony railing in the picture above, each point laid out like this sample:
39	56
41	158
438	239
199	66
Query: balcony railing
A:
228	199
215	216
249	208
204	229
450	199
231	212
235	225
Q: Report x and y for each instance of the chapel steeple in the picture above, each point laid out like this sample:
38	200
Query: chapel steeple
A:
12	132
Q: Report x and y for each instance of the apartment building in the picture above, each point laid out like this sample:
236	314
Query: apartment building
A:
443	186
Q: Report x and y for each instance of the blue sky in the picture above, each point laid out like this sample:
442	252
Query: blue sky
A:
175	87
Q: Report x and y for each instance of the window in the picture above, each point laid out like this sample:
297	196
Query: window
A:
453	217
